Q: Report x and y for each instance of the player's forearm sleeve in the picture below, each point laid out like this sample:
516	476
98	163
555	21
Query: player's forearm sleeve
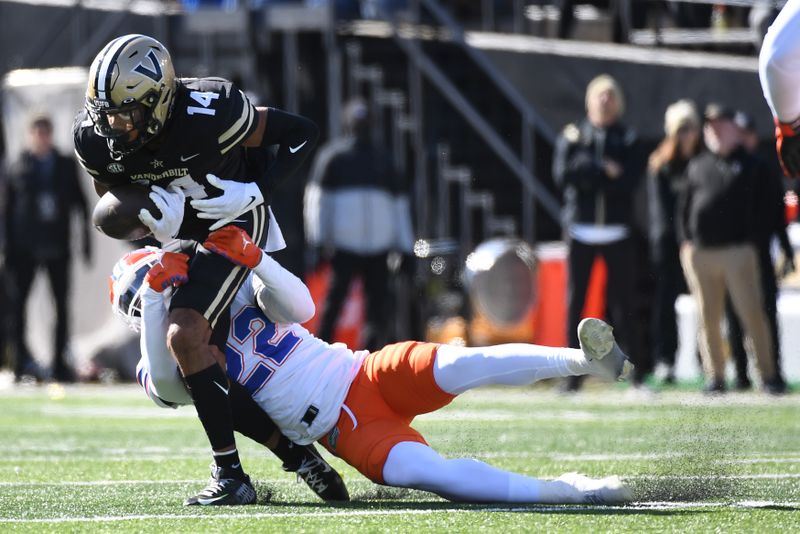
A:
296	136
282	296
779	64
164	382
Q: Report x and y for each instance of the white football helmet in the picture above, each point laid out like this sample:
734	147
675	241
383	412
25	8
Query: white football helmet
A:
126	284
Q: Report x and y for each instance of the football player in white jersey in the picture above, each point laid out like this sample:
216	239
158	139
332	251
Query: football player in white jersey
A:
360	405
779	70
148	267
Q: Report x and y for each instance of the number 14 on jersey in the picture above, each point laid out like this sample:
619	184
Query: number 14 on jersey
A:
204	98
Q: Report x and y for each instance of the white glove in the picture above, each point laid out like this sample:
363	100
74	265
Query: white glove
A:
170	203
236	198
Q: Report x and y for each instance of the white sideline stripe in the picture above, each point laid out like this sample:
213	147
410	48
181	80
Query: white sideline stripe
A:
781	458
244	515
89	483
108	483
516	509
645	505
755	476
789	457
48	453
149	452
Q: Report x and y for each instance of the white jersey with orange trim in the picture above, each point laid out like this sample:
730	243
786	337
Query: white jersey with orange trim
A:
779	64
298	379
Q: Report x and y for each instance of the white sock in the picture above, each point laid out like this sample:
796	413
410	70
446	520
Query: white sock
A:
458	369
524	489
414	465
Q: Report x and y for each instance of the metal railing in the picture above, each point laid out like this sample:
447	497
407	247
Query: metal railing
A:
521	164
448	175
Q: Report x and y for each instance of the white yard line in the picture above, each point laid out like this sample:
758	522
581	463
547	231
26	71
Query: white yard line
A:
756	476
48	452
756	458
645	506
89	483
106	483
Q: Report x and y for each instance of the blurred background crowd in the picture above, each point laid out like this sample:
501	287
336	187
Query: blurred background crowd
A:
491	171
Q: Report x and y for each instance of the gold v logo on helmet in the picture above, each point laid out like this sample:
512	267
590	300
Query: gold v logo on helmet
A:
155	74
130	92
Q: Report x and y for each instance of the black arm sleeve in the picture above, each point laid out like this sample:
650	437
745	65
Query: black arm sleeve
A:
296	136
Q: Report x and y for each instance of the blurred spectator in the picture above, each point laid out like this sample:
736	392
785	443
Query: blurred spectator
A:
355	216
770	222
718	230
666	179
42	194
596	167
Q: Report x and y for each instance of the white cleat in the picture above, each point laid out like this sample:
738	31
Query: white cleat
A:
608	490
597	343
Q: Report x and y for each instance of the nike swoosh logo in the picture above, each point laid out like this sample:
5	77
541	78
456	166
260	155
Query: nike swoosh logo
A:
294	149
210	501
252	201
236	466
225	391
185	158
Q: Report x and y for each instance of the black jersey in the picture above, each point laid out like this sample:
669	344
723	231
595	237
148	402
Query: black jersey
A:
209	121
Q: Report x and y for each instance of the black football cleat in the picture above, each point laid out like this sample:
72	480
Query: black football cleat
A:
225	488
320	476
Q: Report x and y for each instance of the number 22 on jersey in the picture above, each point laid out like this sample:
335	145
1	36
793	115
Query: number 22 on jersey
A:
256	348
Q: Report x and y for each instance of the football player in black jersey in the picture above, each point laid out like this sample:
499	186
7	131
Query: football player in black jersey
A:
187	139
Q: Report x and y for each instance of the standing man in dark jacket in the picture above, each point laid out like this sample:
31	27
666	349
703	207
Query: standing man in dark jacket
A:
719	231
356	214
770	222
42	194
596	167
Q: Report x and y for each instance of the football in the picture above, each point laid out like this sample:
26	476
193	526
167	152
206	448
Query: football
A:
117	212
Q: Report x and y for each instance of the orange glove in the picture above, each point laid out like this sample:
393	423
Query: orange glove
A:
171	270
233	244
787	142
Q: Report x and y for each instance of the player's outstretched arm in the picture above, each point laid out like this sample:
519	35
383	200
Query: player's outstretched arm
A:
282	296
156	371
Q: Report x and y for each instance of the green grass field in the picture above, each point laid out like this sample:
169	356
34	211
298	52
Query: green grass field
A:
103	459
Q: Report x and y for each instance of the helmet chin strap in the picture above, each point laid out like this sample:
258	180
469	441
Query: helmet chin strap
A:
121	149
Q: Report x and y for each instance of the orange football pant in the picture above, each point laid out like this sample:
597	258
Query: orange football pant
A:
394	385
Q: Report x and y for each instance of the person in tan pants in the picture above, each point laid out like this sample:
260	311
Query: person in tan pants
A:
718	255
710	272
